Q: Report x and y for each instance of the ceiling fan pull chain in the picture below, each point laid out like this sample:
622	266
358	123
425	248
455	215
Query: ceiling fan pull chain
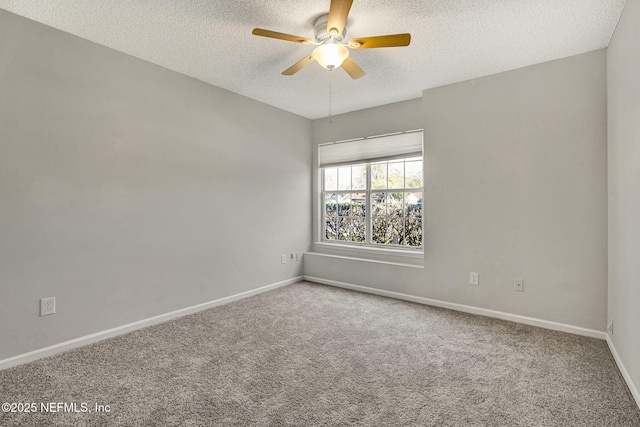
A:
330	95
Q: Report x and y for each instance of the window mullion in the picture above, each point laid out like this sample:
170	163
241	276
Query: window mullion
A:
404	218
323	216
368	221
323	223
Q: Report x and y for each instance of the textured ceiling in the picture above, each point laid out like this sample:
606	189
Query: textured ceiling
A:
452	41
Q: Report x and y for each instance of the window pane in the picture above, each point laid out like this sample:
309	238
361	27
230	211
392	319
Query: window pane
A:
379	203
330	205
344	204
379	229
330	179
394	203
413	205
343	229
344	178
358	204
358	233
413	231
379	175
395	229
413	174
359	177
330	228
396	174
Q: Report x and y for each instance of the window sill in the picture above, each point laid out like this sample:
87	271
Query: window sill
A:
413	257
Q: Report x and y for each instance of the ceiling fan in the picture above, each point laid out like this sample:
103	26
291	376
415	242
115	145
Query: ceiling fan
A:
332	52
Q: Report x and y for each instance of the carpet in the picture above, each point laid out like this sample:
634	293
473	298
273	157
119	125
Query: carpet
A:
313	355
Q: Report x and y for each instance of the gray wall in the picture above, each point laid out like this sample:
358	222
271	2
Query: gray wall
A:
396	117
623	60
515	186
128	190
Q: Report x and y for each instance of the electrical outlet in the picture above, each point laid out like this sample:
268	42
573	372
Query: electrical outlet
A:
298	256
610	328
518	284
283	258
474	279
47	306
293	255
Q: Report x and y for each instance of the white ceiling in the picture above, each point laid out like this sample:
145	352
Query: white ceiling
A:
452	41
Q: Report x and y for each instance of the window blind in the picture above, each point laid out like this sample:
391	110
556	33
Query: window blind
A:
370	149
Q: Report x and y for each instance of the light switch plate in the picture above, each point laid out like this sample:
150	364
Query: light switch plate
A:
474	278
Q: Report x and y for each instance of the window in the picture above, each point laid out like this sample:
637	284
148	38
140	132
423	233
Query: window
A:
376	202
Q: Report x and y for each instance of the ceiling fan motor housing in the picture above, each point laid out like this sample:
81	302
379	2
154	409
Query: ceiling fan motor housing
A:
320	29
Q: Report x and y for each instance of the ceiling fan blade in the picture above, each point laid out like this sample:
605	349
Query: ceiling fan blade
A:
298	66
281	36
391	40
352	68
338	13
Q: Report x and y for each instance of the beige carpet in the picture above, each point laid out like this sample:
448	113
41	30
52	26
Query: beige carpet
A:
307	355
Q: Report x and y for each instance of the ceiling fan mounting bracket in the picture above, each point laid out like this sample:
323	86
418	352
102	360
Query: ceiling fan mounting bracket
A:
321	34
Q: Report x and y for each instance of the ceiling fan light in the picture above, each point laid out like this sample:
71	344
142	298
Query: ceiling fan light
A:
330	55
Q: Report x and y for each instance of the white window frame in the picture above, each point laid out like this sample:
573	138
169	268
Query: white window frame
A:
368	245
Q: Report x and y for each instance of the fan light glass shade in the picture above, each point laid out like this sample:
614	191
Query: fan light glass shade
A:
330	55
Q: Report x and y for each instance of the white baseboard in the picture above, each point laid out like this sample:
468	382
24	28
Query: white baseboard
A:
466	308
99	336
623	371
